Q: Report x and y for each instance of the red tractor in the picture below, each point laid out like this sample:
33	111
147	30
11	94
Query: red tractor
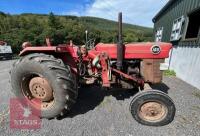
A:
52	75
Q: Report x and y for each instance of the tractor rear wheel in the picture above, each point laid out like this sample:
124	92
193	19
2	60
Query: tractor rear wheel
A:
47	79
152	108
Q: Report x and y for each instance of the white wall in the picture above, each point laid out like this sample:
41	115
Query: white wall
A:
185	61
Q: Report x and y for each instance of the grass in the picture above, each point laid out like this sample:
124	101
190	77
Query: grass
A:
105	101
169	73
195	107
197	94
16	56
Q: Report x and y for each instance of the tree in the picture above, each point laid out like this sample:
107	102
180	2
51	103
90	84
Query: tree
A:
53	22
130	37
16	29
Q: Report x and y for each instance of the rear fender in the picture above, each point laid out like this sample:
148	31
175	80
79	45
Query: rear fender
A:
65	53
29	50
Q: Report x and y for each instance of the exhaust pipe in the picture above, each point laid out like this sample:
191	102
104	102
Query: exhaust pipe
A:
120	46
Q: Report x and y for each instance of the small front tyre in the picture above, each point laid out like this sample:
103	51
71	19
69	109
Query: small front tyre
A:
152	108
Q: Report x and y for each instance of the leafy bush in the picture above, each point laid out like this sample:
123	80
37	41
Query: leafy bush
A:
169	73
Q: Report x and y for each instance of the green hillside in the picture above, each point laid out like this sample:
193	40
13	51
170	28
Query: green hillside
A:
15	29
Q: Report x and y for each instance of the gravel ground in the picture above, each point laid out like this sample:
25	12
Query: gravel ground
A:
106	113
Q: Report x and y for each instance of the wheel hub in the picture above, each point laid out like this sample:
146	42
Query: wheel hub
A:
41	89
152	111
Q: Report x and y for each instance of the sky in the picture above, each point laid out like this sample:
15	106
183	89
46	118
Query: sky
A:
139	12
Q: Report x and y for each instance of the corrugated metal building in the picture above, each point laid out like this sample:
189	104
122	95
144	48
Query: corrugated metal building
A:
178	22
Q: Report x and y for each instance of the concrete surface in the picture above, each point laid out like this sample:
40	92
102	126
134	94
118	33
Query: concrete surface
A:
106	113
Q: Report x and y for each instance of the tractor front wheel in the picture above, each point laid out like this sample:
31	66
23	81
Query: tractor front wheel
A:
45	82
152	108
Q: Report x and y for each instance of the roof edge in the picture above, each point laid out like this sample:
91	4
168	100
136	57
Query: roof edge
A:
169	3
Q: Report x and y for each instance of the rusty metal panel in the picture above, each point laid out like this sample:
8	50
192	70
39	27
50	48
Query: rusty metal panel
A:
150	69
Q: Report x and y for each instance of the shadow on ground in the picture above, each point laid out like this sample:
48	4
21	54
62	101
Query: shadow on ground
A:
162	87
91	97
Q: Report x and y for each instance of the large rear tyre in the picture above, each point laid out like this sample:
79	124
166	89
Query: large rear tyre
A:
47	79
152	108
